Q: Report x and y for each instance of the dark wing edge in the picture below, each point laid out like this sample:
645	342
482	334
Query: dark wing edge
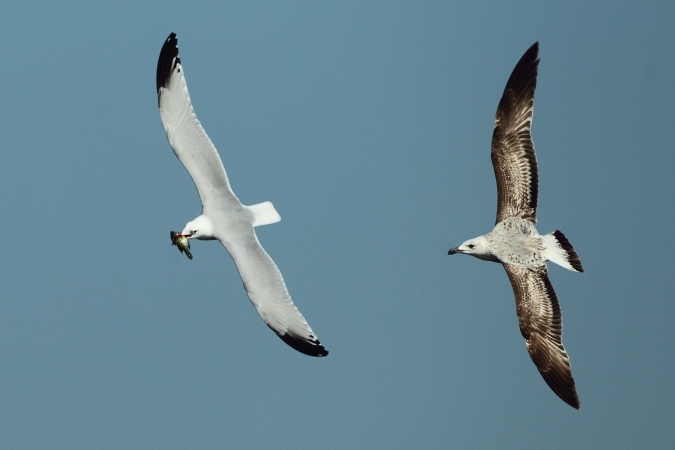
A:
267	291
310	347
513	157
168	59
540	320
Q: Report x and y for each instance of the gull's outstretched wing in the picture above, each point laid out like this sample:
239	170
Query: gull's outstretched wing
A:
540	322
186	135
513	157
267	291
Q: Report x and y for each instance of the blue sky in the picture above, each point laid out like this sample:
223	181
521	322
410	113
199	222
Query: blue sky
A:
368	126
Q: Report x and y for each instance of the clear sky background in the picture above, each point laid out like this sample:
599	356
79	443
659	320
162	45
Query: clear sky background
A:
369	127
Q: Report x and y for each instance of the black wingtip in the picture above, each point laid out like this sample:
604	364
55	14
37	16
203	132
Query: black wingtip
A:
168	58
531	56
523	78
565	389
310	348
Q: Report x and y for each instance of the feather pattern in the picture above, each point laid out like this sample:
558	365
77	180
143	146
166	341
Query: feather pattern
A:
513	157
540	322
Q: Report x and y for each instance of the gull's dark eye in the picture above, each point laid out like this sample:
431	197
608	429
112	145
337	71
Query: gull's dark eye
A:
470	245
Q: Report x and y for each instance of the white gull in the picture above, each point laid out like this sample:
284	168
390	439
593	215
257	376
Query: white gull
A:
515	242
223	216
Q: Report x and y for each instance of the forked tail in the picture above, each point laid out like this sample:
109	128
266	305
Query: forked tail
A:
560	251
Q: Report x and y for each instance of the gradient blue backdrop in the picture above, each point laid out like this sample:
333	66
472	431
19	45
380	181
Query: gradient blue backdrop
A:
368	126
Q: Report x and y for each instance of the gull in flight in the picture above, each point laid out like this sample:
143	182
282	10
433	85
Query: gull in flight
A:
223	216
515	242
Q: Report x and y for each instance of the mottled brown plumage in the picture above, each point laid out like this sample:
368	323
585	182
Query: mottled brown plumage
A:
515	242
513	157
540	321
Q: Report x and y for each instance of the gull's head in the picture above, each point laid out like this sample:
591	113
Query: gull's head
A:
477	247
200	228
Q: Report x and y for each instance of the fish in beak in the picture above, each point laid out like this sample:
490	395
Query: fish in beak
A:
181	242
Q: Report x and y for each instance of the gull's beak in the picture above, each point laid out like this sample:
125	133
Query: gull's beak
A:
452	251
186	235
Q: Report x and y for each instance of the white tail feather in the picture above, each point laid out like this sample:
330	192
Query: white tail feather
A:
560	251
264	214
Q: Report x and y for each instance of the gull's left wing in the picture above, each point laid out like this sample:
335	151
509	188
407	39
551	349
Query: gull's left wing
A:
540	322
186	135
